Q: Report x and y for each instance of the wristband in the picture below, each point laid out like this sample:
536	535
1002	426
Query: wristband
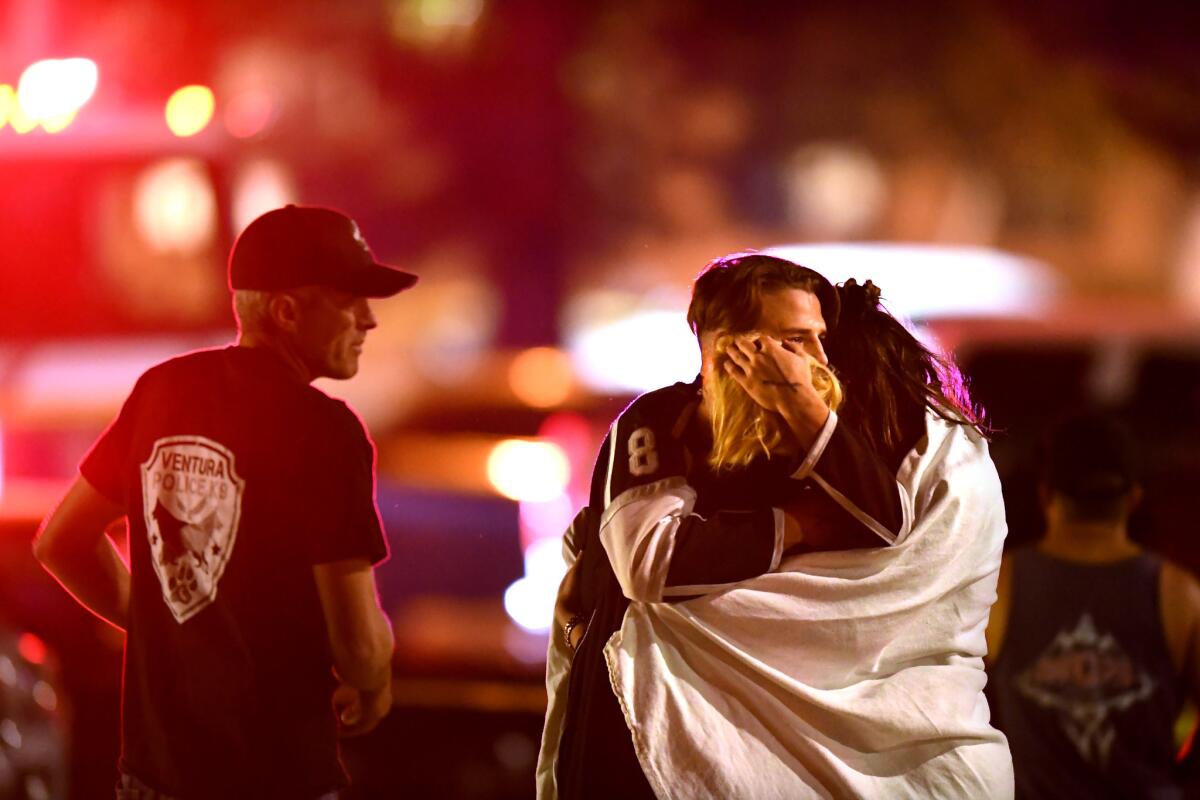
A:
570	626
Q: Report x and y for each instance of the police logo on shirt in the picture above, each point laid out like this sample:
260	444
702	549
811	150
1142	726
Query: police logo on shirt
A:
192	500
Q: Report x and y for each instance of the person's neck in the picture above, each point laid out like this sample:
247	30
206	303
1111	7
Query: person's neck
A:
1088	542
290	359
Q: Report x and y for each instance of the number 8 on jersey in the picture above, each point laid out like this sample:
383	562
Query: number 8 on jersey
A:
643	458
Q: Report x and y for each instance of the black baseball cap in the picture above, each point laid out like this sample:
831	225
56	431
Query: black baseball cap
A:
309	245
1091	454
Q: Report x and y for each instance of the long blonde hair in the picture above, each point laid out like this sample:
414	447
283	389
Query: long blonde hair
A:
741	428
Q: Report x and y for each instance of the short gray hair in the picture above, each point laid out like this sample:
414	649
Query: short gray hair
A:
251	307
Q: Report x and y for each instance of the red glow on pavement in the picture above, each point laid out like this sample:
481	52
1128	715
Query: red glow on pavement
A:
31	648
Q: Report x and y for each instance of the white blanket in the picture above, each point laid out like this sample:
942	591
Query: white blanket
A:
847	674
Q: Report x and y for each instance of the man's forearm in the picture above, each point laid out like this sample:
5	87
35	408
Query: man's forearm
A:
98	579
366	664
661	551
805	418
724	549
73	547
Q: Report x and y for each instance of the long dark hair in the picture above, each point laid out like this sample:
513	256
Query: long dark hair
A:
891	378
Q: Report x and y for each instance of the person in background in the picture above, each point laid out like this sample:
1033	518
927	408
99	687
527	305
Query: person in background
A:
1093	643
254	632
810	624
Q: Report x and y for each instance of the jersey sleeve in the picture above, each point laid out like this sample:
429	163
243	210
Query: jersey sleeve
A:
856	478
106	463
342	520
659	549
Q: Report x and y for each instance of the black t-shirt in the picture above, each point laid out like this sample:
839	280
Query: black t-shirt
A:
237	478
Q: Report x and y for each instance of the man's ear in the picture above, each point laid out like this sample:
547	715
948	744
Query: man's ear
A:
706	340
285	312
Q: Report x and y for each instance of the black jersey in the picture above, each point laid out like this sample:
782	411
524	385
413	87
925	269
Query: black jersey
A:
672	530
236	478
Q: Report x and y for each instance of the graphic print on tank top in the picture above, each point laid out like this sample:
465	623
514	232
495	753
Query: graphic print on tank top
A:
192	498
1086	677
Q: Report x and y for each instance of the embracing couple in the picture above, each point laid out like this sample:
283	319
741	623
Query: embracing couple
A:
781	583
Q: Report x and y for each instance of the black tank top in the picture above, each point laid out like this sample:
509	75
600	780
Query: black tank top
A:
1084	686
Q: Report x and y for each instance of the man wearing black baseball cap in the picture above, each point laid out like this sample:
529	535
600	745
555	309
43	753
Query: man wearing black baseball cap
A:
250	600
307	245
1092	642
307	273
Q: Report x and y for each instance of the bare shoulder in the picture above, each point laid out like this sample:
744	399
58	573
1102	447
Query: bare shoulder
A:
1179	587
1179	608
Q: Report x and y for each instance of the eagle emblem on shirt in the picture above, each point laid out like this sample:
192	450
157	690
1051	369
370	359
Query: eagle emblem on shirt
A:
192	500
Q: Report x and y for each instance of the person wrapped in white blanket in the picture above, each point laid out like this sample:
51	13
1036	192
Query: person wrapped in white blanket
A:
809	623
